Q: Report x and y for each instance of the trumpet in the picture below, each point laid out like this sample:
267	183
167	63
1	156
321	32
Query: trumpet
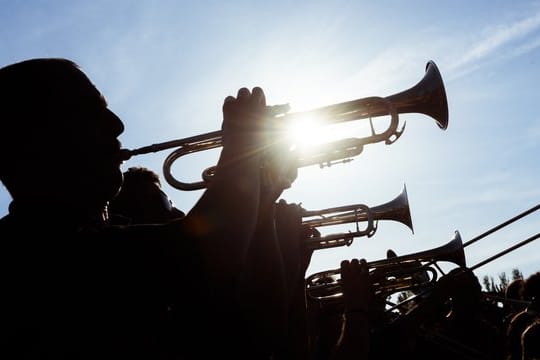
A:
427	97
413	271
406	272
396	210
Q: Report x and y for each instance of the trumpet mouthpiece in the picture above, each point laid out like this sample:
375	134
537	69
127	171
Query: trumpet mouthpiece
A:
125	154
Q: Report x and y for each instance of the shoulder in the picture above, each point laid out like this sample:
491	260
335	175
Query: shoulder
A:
5	223
168	242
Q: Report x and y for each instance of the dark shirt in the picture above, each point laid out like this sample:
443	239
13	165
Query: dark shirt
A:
99	292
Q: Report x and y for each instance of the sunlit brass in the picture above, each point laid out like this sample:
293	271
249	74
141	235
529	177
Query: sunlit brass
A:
427	97
395	210
409	272
391	275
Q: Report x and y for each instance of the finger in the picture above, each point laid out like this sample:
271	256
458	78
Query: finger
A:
228	102
363	263
364	269
258	96
243	94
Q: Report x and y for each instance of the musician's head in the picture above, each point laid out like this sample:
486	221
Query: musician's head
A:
142	200
513	290
531	287
58	140
467	291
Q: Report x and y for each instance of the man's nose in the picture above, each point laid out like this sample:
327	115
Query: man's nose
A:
117	124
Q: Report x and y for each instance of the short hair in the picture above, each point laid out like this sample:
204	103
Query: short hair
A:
27	87
531	287
142	200
30	94
140	174
513	290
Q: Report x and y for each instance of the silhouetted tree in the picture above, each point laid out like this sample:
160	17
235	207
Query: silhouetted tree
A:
516	274
490	285
503	281
487	284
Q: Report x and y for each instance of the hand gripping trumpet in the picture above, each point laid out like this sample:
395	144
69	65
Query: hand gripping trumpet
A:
396	210
427	97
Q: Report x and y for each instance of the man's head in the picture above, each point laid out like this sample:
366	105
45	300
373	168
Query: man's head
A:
513	290
531	287
142	200
58	140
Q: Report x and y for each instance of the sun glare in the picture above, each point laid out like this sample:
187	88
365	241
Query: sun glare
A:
307	132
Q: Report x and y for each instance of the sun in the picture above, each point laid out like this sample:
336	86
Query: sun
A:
320	141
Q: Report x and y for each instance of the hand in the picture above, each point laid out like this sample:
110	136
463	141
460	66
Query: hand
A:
279	171
356	285
280	166
250	130
244	119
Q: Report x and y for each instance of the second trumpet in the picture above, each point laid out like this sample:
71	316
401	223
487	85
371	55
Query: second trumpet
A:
396	210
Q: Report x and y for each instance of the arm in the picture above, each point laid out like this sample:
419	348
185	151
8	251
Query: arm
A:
262	287
224	218
354	340
234	224
296	258
264	281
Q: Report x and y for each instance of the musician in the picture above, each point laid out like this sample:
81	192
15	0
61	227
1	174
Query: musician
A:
468	323
530	341
512	292
520	321
141	200
429	330
75	287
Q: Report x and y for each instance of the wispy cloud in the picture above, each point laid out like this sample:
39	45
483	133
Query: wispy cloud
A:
511	36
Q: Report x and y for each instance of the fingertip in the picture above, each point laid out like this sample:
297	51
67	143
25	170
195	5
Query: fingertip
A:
257	91
259	94
228	104
243	92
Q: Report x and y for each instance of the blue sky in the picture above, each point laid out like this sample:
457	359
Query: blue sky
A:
166	66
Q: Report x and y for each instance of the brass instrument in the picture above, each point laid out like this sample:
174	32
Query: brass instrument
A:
393	274
396	210
506	301
407	272
427	97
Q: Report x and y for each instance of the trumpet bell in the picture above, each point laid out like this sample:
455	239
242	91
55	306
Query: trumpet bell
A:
394	210
427	97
